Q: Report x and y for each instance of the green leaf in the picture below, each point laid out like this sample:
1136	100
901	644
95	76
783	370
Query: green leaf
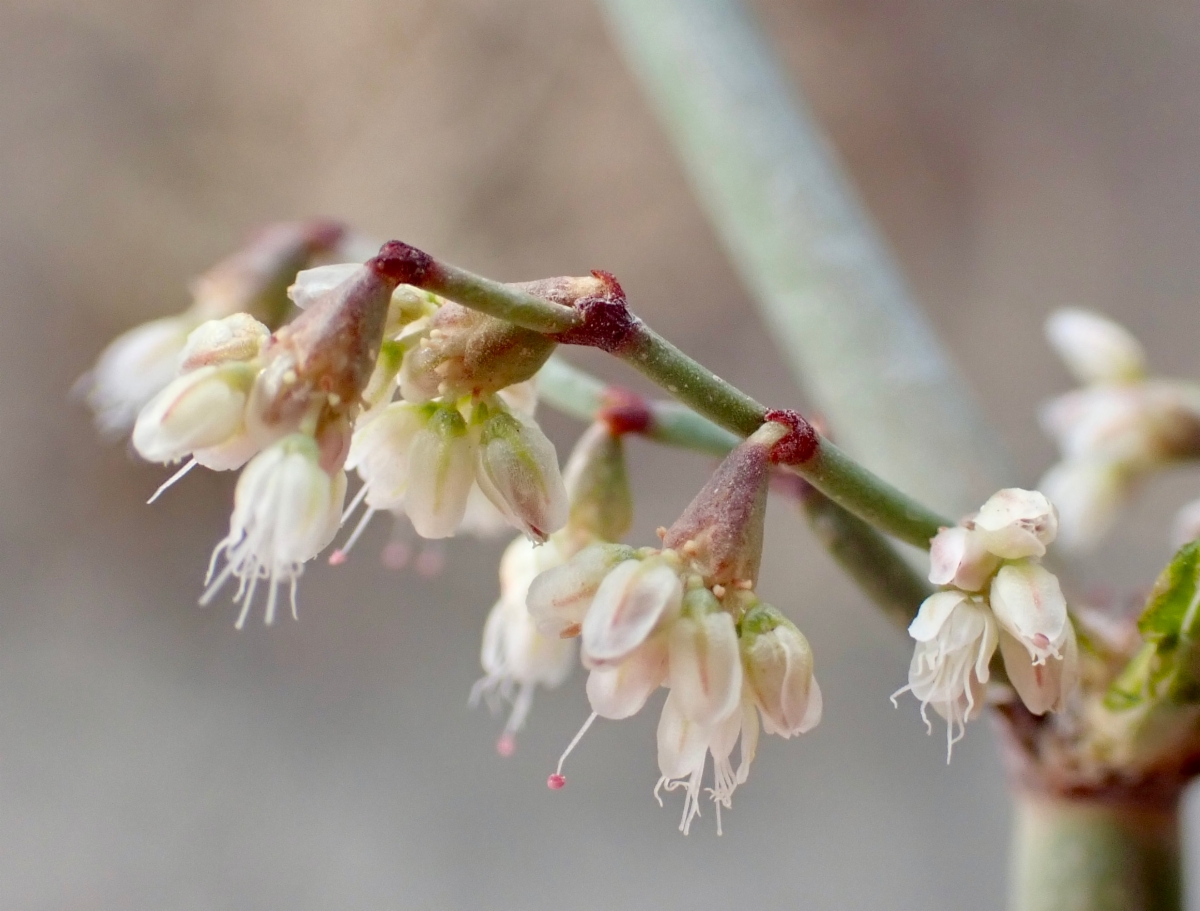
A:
1168	665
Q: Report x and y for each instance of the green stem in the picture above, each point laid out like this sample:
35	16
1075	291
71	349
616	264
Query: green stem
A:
831	471
838	306
1077	855
581	395
867	557
498	299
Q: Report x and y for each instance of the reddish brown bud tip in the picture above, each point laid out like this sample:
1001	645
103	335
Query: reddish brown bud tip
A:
624	411
402	264
801	442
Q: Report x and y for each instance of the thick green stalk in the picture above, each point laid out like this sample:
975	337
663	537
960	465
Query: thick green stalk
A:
775	194
1077	855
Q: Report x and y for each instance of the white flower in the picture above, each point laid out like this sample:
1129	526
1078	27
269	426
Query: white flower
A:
379	452
620	690
705	664
134	368
286	511
1094	348
559	598
201	410
1036	636
683	748
1017	523
778	665
441	468
958	557
514	652
956	637
313	284
1088	494
632	601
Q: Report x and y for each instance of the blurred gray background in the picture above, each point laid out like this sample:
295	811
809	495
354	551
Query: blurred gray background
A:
1019	156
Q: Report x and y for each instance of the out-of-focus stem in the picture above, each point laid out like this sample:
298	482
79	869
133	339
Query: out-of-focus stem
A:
867	557
1081	855
796	231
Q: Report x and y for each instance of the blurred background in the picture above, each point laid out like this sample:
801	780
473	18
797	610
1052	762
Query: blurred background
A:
1018	156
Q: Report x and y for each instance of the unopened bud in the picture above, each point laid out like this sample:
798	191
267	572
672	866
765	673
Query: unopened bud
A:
239	337
518	471
597	485
465	352
1017	523
778	664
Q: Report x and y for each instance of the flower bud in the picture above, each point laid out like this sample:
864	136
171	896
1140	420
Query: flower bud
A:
632	602
721	530
597	485
239	337
778	665
1017	523
518	471
1187	524
441	469
1094	348
465	352
559	598
201	409
619	691
705	667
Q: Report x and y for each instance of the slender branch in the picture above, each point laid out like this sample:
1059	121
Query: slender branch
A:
497	299
581	395
844	319
866	556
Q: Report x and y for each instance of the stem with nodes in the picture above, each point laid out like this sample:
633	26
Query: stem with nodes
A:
606	322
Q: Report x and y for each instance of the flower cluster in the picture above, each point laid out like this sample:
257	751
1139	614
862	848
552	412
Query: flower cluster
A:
1119	427
686	616
139	363
429	402
995	594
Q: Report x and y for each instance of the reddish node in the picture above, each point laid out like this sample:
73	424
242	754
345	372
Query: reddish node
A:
506	745
556	782
338	557
402	263
607	323
801	442
625	411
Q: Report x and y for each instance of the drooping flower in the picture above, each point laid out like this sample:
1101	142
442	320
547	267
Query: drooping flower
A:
997	595
287	508
686	617
956	637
